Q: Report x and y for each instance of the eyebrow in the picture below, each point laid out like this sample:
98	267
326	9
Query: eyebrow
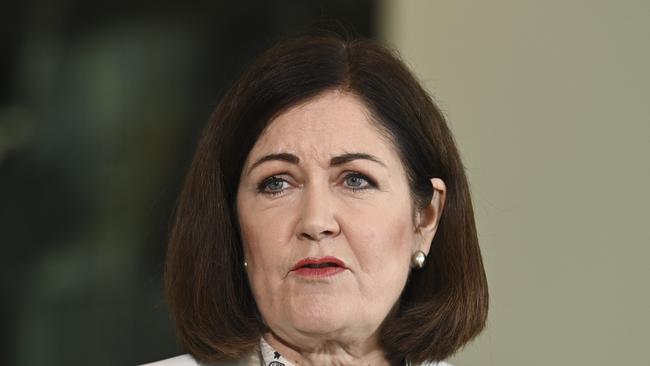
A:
346	158
335	161
289	158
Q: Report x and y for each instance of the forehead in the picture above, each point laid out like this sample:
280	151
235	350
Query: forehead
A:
331	123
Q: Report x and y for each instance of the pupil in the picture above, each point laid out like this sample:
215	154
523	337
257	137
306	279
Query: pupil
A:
275	185
354	181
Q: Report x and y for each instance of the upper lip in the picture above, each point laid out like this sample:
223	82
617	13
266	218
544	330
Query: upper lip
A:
311	260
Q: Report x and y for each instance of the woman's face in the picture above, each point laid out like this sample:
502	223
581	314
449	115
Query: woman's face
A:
327	222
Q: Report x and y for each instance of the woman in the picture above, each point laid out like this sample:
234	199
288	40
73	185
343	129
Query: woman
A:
326	219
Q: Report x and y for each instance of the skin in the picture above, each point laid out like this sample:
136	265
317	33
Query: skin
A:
358	211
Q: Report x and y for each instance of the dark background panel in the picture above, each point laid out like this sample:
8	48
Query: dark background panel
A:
101	106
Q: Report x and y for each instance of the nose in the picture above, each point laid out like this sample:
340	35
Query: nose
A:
317	219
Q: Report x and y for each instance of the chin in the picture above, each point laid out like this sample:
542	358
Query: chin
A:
322	326
318	318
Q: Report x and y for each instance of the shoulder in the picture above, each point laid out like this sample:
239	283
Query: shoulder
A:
188	360
184	360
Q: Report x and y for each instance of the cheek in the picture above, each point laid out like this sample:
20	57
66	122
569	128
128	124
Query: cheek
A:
381	247
264	239
382	243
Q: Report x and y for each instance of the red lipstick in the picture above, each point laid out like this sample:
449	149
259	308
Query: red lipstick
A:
319	267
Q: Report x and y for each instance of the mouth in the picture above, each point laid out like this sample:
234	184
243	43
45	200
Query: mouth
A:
319	267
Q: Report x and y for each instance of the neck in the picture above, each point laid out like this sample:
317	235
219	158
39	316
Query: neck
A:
330	352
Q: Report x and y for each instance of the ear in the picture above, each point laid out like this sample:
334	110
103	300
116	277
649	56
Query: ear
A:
429	216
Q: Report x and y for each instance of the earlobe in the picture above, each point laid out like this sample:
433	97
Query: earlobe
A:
429	216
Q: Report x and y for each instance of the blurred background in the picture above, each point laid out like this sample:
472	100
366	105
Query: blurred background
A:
101	106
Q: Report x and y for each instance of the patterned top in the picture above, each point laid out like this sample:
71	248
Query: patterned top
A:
271	357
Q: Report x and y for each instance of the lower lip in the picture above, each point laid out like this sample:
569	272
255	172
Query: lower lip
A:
318	272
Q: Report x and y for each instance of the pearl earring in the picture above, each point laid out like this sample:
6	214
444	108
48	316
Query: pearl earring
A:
418	259
245	264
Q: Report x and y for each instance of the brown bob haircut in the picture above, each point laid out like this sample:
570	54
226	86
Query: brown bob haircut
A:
444	304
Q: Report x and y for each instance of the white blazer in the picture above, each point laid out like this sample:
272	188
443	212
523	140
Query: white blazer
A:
188	360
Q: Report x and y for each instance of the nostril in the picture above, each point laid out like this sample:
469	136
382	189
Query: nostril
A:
306	236
321	235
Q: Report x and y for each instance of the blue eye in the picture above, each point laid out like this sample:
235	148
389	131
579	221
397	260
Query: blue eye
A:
357	181
272	185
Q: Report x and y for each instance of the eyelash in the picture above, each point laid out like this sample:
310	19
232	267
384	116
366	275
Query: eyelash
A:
261	188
